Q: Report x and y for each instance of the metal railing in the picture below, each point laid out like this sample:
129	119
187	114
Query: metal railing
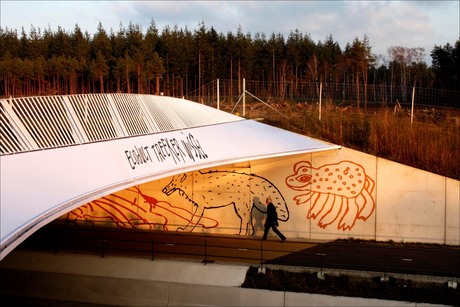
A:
374	257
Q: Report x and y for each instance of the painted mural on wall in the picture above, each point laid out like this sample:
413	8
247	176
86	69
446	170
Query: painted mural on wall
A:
138	211
200	191
218	189
338	193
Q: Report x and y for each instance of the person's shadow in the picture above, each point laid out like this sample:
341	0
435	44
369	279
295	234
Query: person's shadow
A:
258	217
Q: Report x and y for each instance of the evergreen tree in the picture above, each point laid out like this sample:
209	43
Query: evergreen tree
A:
446	65
179	62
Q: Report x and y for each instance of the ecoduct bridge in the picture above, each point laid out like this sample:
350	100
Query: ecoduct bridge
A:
60	152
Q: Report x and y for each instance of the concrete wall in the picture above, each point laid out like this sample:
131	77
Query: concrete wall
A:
415	205
326	195
125	292
140	282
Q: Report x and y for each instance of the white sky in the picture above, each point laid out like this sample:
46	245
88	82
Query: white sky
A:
387	23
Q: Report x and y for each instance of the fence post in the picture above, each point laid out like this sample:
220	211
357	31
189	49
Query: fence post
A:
218	95
244	97
320	98
412	109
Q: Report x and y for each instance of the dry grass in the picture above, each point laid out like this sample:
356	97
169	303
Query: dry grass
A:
431	142
428	145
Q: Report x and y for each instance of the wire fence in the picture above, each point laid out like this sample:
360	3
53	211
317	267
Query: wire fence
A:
228	92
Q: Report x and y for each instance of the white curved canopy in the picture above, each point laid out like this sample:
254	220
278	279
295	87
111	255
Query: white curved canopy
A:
38	186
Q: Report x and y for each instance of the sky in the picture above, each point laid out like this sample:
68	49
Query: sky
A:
409	24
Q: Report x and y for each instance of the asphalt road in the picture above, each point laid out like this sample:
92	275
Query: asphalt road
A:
432	260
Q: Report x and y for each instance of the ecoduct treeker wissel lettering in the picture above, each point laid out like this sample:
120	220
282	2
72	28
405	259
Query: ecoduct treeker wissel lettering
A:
176	150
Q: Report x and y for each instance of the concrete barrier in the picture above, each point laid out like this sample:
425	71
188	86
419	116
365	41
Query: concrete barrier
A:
117	281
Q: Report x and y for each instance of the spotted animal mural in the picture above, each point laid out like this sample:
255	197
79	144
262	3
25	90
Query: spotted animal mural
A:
339	193
217	189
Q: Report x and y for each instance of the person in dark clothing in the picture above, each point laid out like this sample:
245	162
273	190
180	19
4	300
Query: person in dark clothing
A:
272	220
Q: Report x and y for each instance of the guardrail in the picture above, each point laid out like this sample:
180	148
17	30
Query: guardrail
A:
372	256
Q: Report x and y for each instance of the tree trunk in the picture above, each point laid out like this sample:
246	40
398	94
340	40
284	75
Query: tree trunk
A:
139	79
357	89
128	87
101	82
157	83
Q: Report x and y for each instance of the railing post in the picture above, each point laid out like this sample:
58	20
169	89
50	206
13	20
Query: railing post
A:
56	240
320	274
153	248
452	283
205	250
384	277
261	268
101	239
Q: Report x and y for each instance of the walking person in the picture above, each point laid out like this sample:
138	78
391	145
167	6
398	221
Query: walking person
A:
272	220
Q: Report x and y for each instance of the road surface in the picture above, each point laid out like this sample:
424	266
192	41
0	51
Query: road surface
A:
430	260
